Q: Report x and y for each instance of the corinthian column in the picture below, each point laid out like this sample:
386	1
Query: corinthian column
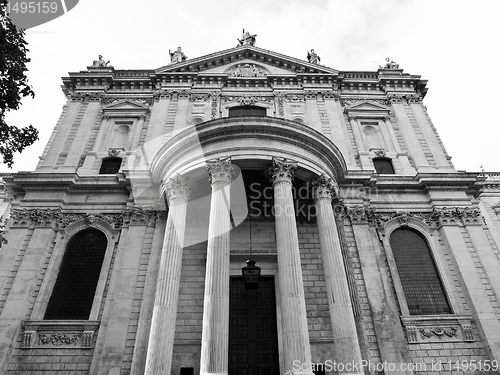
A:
215	335
341	314
296	346
161	338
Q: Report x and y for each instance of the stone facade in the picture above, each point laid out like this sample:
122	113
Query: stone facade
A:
185	188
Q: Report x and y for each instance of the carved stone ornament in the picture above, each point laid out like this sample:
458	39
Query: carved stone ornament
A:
178	187
221	170
91	219
215	104
325	188
199	96
438	328
247	70
279	96
59	334
282	170
379	152
114	152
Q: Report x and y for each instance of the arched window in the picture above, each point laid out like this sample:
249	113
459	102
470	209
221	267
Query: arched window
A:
76	282
383	165
110	165
247	110
422	286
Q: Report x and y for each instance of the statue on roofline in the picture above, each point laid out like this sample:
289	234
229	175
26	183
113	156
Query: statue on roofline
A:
177	56
100	63
390	64
246	39
313	57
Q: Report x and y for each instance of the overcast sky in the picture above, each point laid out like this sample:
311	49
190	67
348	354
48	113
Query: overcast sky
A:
455	45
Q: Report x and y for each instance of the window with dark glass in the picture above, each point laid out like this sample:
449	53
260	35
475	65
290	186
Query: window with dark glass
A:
76	282
247	110
383	165
110	165
417	271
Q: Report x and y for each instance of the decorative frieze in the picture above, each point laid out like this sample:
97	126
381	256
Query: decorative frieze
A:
405	98
247	99
58	219
171	94
85	95
439	216
199	96
60	334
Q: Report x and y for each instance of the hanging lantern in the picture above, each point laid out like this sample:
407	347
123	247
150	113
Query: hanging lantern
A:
251	274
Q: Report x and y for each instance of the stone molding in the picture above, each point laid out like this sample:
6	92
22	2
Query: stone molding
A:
437	217
59	334
282	170
438	328
47	217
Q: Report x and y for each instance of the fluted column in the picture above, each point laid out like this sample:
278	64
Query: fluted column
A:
215	335
296	346
341	314
161	338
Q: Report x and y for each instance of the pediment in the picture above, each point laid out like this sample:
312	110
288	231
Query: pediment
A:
366	106
127	105
226	61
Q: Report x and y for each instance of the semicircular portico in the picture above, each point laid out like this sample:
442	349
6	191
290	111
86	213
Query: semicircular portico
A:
248	138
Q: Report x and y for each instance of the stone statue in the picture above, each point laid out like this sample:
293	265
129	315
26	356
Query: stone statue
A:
312	57
390	64
177	56
100	63
247	39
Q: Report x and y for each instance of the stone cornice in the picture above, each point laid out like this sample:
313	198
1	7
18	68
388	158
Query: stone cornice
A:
70	182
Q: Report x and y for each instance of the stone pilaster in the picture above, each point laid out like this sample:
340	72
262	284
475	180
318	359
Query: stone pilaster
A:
345	337
215	335
161	338
296	346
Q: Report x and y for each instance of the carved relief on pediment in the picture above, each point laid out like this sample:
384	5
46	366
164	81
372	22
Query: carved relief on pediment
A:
247	70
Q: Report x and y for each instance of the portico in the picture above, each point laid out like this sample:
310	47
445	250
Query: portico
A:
271	147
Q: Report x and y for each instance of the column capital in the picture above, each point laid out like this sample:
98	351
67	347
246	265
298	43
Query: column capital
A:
177	187
282	170
325	188
221	170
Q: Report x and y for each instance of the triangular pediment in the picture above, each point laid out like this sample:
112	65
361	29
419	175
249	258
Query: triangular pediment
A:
367	105
126	105
225	62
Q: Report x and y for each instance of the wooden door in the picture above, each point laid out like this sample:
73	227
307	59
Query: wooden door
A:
253	337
